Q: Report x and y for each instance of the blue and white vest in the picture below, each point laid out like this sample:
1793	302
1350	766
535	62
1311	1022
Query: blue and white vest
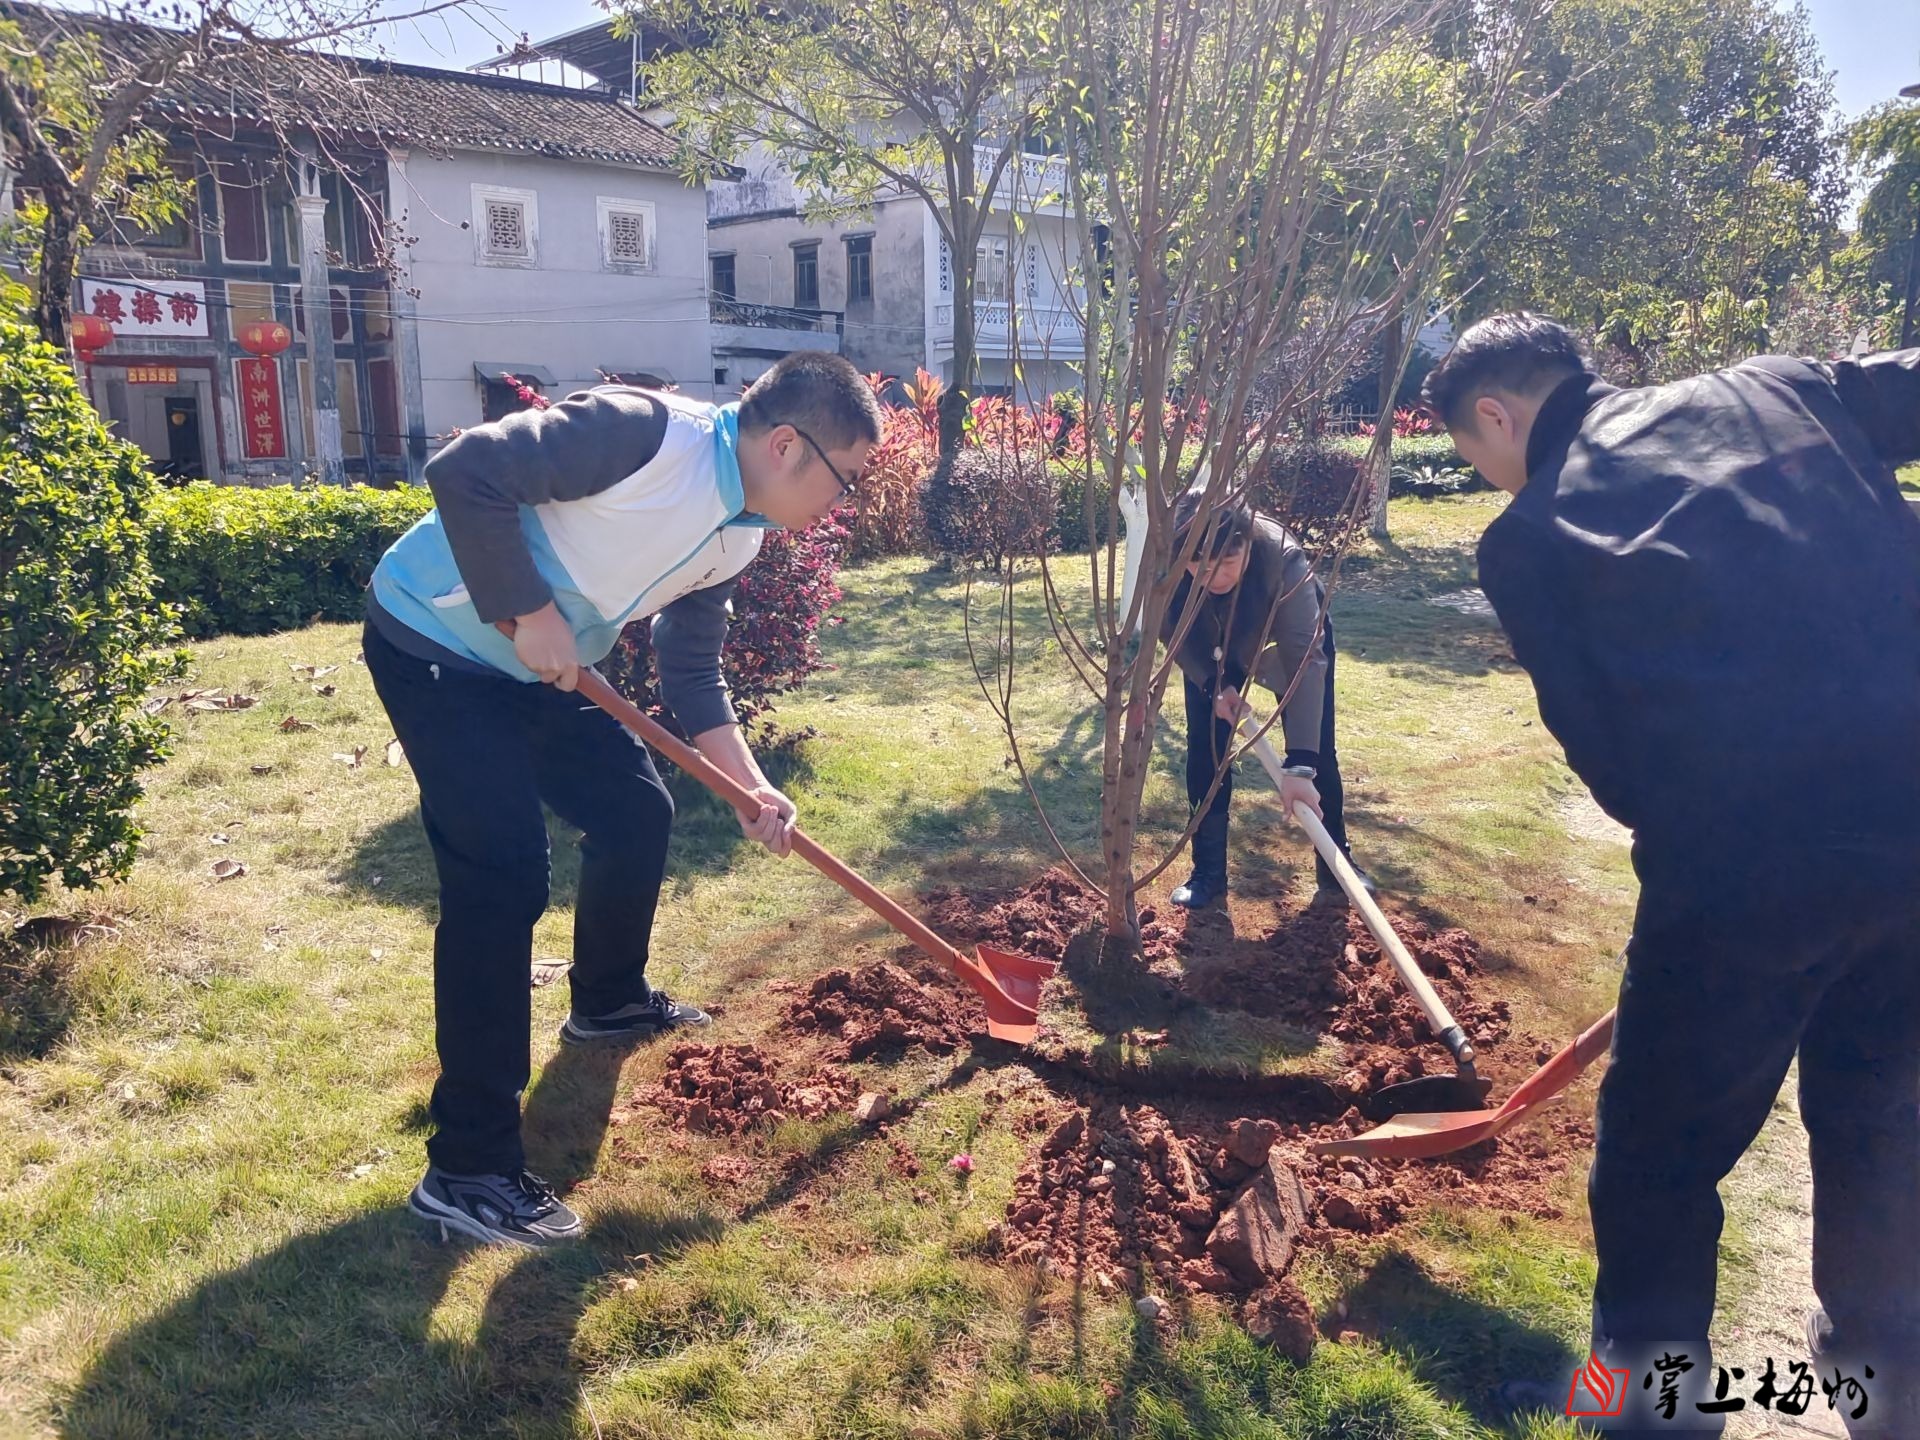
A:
675	525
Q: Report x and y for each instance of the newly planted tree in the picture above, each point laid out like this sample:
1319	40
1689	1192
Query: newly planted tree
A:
1222	161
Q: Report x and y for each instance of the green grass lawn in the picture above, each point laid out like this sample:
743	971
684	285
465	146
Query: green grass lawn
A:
212	1115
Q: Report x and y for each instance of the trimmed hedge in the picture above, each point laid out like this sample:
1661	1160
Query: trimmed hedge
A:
242	560
988	505
1070	529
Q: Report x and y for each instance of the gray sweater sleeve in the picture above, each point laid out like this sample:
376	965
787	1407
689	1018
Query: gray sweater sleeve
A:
1297	646
587	443
687	637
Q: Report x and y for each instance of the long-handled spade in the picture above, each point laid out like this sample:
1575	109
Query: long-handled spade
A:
1008	983
1420	1137
1463	1090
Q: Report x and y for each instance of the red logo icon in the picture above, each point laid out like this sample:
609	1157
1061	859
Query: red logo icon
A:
1597	1392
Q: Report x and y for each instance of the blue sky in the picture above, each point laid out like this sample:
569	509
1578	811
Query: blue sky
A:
1872	45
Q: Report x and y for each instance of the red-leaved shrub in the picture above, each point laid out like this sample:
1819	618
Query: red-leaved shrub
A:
887	520
773	645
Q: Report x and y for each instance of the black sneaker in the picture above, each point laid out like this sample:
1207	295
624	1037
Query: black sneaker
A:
518	1209
659	1014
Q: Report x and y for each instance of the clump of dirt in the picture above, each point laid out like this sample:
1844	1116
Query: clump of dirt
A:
1039	919
1128	1198
1322	969
1515	1174
1121	1199
728	1172
725	1089
884	1007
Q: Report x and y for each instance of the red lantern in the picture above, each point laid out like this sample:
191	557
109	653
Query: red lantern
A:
264	337
91	335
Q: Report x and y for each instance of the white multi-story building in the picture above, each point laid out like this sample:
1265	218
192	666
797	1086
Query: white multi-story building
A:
877	287
442	228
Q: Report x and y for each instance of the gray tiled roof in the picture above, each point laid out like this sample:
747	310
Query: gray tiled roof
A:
407	104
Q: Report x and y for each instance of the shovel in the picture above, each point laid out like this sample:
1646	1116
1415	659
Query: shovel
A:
1463	1090
1420	1137
1008	983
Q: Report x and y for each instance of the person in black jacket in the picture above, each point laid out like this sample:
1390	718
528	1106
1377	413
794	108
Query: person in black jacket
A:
1715	587
1262	618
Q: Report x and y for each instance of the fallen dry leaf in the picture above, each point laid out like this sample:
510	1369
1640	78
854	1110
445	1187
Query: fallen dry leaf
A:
220	837
156	704
352	762
395	752
217	702
313	672
261	769
377	953
294	722
547	970
360	657
186	695
228	869
326	692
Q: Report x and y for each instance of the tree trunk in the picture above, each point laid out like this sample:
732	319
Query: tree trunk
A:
1380	453
59	263
966	236
1908	334
955	398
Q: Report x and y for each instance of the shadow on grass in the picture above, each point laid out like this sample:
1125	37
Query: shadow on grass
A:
1476	1355
568	1109
333	1334
37	1000
394	866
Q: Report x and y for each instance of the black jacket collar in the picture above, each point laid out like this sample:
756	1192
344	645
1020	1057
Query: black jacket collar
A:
1559	420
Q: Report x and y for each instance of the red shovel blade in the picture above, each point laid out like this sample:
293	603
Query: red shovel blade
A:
1010	985
1421	1137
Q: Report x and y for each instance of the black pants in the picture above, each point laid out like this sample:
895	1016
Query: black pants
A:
1209	738
486	752
1726	981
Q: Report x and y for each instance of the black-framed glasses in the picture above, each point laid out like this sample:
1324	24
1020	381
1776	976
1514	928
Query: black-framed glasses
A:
847	488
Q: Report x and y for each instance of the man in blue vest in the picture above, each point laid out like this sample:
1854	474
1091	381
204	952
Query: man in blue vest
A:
615	505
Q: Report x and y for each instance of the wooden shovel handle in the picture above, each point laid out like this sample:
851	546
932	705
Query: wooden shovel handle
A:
1438	1016
596	688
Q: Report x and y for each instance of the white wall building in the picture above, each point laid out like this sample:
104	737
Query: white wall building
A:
883	283
878	287
554	270
491	225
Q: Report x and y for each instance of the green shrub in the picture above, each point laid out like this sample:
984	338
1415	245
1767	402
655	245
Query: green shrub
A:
1309	486
250	561
1429	452
80	628
988	504
1070	529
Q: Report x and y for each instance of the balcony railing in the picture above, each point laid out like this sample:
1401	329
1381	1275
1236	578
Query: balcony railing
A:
997	317
1030	178
776	317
